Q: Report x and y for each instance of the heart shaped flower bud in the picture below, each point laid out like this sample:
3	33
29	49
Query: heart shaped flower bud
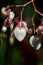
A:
35	42
19	33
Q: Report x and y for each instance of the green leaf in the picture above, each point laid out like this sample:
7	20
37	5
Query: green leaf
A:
20	1
28	12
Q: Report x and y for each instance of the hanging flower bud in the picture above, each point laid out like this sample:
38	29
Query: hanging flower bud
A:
19	33
5	11
4	28
11	15
39	31
35	42
40	28
11	40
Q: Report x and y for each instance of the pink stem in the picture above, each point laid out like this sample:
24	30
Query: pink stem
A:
5	21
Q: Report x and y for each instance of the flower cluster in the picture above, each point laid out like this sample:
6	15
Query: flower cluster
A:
21	28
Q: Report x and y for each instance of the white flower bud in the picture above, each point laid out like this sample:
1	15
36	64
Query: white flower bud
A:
3	11
11	15
35	42
4	28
